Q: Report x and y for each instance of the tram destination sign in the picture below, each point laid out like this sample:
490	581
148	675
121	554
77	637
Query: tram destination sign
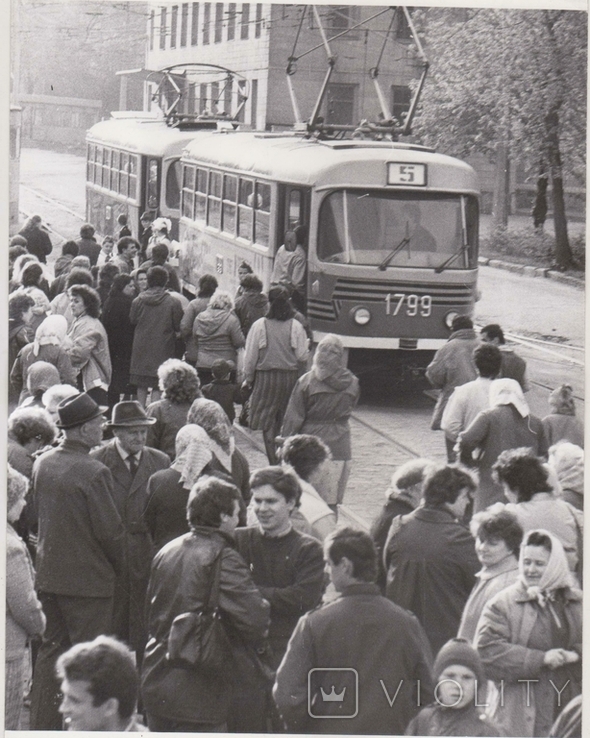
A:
408	175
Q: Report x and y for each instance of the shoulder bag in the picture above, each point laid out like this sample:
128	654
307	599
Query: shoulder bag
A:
198	639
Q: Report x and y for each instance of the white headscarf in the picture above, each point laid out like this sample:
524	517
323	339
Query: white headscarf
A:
193	453
329	358
51	332
557	574
508	392
567	460
212	418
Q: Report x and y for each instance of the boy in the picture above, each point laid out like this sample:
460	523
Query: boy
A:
222	389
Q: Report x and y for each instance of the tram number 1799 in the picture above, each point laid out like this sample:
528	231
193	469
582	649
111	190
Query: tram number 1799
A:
415	305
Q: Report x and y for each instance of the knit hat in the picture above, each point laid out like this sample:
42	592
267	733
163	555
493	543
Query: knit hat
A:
41	376
567	460
458	651
221	368
16	488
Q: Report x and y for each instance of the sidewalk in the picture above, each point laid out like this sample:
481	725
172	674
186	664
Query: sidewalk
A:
532	271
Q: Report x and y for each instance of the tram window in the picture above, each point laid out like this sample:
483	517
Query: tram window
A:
173	185
124	178
90	163
230	191
295	214
201	196
152	188
246	198
97	164
106	155
115	172
215	189
133	167
188	178
262	214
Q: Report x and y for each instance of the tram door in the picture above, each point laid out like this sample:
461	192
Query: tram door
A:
295	204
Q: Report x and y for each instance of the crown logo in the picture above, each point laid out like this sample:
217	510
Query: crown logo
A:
332	696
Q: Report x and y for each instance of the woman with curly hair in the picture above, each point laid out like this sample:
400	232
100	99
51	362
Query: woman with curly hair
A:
180	386
115	318
20	314
90	348
29	429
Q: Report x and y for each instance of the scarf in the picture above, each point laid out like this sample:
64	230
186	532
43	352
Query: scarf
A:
214	421
567	461
193	453
41	376
556	576
328	359
51	332
508	392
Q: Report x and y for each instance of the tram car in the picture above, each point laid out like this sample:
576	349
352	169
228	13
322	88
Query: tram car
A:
392	231
133	166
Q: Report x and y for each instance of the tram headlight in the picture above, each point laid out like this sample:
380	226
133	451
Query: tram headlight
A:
361	315
450	317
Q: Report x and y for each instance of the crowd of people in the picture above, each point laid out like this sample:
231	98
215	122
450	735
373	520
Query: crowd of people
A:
155	581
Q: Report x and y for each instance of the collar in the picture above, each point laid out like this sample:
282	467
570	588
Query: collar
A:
508	564
360	588
125	454
435	515
78	447
275	538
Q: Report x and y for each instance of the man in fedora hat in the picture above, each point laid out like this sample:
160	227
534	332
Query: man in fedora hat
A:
80	549
132	463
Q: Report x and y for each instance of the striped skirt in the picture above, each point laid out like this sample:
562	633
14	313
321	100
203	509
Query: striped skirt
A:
14	691
270	397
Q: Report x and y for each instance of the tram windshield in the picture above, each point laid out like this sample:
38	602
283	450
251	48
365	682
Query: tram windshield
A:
390	229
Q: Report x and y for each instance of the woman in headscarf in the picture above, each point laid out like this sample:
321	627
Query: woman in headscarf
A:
40	378
179	384
227	459
321	404
529	638
567	461
507	424
218	334
168	489
529	487
276	354
561	424
49	346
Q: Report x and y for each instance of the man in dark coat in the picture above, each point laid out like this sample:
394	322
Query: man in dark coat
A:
160	255
513	365
361	644
132	463
80	549
38	241
430	556
87	244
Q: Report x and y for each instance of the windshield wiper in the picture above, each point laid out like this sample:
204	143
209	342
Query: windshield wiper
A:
404	242
464	248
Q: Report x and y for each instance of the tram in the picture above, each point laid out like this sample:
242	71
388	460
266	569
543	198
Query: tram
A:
133	166
393	230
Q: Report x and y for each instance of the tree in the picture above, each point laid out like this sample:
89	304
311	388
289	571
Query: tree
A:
509	78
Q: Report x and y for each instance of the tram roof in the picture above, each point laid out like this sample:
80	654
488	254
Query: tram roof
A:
150	136
303	161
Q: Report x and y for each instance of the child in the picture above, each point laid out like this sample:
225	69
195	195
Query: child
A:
222	389
124	230
459	688
561	424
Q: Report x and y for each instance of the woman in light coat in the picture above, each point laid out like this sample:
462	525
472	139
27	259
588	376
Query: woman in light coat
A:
89	349
529	638
218	334
321	404
24	616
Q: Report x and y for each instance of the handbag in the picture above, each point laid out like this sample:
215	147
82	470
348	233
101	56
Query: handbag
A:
197	639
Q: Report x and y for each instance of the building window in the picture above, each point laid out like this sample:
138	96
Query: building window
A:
227	95
338	17
401	96
195	25
184	24
403	28
163	28
152	28
203	99
218	21
173	26
214	97
253	102
191	106
206	22
340	104
231	22
245	20
258	24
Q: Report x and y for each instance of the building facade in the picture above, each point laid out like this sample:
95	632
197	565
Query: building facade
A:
256	41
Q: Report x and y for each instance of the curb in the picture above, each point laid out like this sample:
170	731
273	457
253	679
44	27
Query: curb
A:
532	271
